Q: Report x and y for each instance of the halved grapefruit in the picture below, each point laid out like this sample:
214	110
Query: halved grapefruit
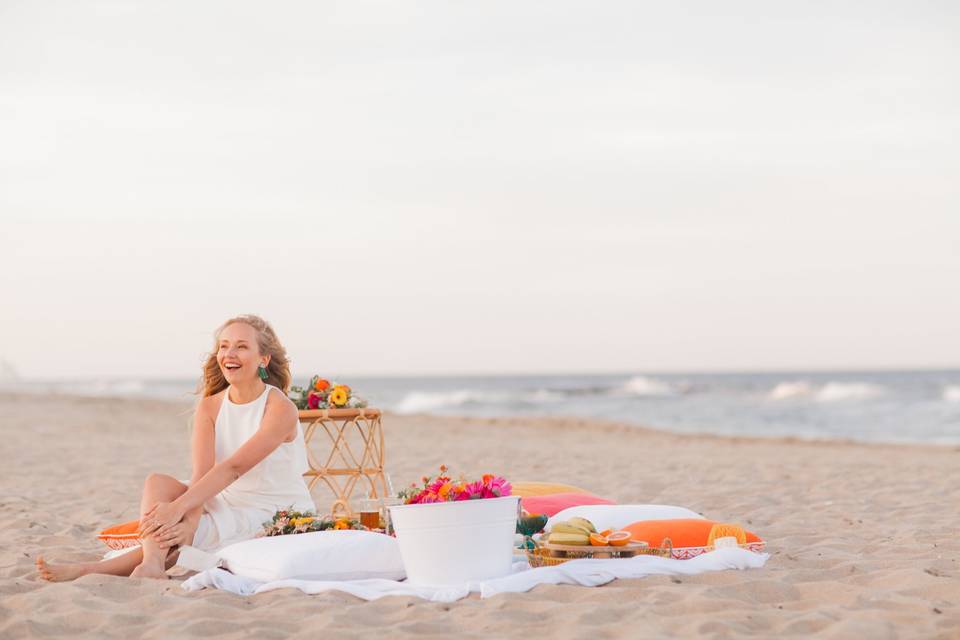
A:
598	540
619	538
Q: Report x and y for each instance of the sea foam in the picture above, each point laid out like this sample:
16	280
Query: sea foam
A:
830	392
644	386
841	391
789	390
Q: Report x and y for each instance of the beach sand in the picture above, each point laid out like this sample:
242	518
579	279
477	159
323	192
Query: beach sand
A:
863	538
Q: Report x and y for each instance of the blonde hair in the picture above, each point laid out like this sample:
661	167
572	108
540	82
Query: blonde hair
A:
278	369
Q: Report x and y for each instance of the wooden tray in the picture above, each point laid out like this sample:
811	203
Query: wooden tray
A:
549	555
624	551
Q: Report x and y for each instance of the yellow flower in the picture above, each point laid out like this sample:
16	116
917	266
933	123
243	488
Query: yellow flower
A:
341	524
339	396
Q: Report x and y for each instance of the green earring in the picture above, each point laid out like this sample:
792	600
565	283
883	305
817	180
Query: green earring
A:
262	372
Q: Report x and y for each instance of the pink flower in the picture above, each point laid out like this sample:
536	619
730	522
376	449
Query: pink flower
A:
434	487
313	400
500	487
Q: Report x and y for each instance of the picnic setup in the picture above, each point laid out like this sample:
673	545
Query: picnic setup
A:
446	535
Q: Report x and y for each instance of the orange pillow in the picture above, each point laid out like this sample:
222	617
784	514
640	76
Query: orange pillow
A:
121	536
690	537
533	489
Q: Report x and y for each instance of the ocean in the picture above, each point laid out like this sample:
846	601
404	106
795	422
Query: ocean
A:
890	406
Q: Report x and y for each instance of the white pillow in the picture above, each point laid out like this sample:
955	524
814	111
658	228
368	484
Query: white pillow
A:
618	516
320	555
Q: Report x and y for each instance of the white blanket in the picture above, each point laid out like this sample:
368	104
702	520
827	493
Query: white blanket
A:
587	573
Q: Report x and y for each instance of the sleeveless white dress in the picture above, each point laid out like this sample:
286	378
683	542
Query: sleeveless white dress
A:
239	511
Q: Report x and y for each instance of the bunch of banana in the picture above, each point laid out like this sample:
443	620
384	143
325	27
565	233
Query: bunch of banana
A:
573	531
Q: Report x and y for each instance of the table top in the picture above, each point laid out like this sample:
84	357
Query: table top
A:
339	414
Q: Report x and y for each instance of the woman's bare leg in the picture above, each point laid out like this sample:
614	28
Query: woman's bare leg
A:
119	566
157	488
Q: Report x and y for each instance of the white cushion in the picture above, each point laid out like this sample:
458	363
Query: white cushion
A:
617	516
320	555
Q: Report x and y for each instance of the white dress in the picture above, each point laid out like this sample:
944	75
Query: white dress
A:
238	512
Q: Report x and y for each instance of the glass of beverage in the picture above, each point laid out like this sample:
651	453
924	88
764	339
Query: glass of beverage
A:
370	513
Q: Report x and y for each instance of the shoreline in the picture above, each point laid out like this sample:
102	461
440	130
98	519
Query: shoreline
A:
603	425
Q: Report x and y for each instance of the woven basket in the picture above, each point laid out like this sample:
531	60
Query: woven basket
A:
545	556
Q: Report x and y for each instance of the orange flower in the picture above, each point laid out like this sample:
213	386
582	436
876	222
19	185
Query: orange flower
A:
487	478
321	385
341	524
444	490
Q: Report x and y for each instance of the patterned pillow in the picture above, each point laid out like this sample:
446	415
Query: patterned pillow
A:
121	536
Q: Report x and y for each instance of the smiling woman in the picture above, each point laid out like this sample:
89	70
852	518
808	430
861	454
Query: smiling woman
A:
232	356
248	460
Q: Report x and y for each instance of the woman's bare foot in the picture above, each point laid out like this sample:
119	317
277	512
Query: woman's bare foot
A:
144	570
60	572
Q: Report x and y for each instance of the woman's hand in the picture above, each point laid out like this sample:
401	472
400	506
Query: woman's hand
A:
160	518
178	535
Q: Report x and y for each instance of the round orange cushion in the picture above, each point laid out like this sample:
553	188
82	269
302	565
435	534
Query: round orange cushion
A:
682	533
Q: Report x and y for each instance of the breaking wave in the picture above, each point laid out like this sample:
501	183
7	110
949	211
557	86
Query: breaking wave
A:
427	401
829	392
644	386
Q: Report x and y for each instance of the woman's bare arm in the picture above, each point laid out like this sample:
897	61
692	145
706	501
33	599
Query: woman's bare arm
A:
278	425
203	447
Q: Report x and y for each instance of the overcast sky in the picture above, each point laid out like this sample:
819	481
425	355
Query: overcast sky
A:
429	187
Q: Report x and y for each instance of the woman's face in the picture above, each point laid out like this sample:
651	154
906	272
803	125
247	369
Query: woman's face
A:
238	353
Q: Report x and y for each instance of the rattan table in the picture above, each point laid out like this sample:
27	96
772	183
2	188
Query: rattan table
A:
345	453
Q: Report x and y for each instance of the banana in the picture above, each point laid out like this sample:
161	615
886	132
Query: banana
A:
568	538
567	527
582	522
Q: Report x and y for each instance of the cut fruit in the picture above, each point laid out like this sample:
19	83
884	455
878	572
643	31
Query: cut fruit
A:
606	532
598	540
619	538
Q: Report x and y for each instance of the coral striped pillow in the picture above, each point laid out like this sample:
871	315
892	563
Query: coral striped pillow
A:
554	504
121	536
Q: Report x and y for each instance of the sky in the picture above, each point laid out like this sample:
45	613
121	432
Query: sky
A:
480	187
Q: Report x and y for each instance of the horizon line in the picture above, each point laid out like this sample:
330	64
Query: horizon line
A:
557	374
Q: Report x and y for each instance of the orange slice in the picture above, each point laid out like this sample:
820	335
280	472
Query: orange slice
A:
606	532
619	538
598	540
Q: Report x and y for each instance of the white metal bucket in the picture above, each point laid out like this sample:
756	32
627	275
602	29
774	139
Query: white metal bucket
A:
451	543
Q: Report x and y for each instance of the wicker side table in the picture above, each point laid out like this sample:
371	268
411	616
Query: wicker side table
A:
344	450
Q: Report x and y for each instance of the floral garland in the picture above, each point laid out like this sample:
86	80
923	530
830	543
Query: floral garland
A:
444	489
286	521
323	394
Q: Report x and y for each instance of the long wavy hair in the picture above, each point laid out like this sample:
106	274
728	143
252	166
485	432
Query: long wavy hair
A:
278	369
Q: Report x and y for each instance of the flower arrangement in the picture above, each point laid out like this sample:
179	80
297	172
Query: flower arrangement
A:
443	488
323	394
288	521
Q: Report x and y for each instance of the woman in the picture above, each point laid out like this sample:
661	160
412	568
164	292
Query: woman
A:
248	460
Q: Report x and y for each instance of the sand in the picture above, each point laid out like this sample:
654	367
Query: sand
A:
864	538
